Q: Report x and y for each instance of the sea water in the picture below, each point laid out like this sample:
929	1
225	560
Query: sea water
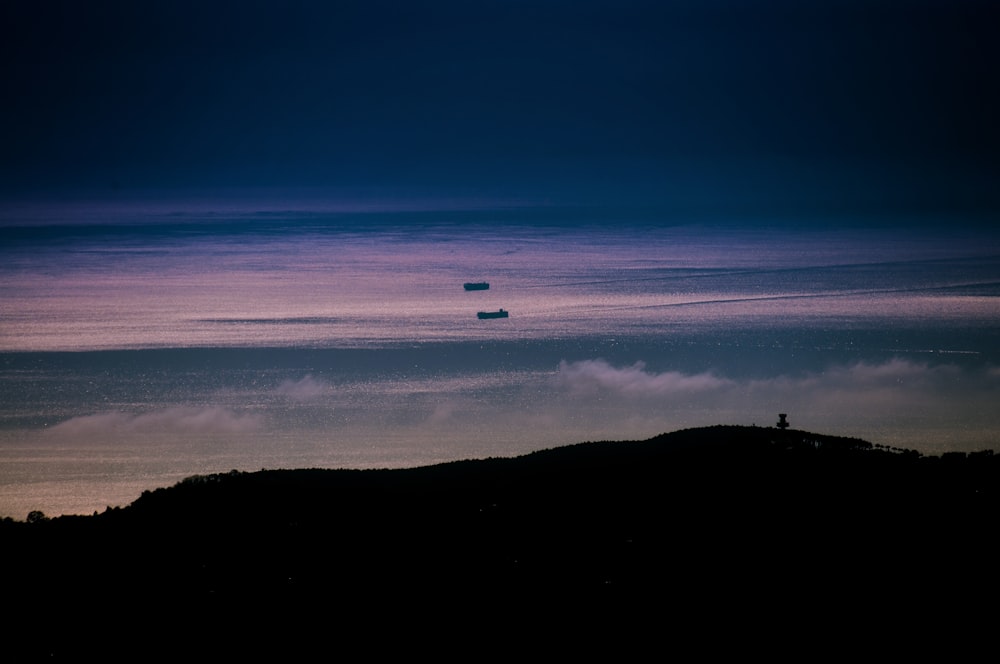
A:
137	350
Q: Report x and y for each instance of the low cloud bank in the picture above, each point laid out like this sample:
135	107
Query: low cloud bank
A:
592	376
177	419
898	400
899	397
598	377
305	389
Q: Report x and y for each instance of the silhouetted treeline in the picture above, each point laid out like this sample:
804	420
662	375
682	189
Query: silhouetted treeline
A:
719	522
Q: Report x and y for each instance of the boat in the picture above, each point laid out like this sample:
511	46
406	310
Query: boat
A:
476	285
492	314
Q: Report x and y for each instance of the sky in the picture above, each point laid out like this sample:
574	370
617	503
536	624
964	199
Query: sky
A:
715	107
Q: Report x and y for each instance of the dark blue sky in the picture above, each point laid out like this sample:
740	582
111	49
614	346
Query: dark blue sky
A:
833	106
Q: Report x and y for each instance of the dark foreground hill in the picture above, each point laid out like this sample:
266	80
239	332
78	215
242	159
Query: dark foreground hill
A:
743	532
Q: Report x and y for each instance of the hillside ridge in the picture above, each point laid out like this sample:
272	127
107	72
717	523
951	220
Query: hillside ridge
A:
696	515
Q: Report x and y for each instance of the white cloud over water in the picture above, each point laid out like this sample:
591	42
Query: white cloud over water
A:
909	400
304	389
592	376
172	420
899	400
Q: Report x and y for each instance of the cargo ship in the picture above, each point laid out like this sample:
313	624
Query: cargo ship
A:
492	314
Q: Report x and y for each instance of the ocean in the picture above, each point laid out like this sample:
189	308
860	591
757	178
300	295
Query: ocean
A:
142	346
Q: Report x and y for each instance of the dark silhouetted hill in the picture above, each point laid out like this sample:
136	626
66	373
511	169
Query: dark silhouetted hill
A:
747	529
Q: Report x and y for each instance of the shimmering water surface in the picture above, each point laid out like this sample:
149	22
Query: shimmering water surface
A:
137	351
